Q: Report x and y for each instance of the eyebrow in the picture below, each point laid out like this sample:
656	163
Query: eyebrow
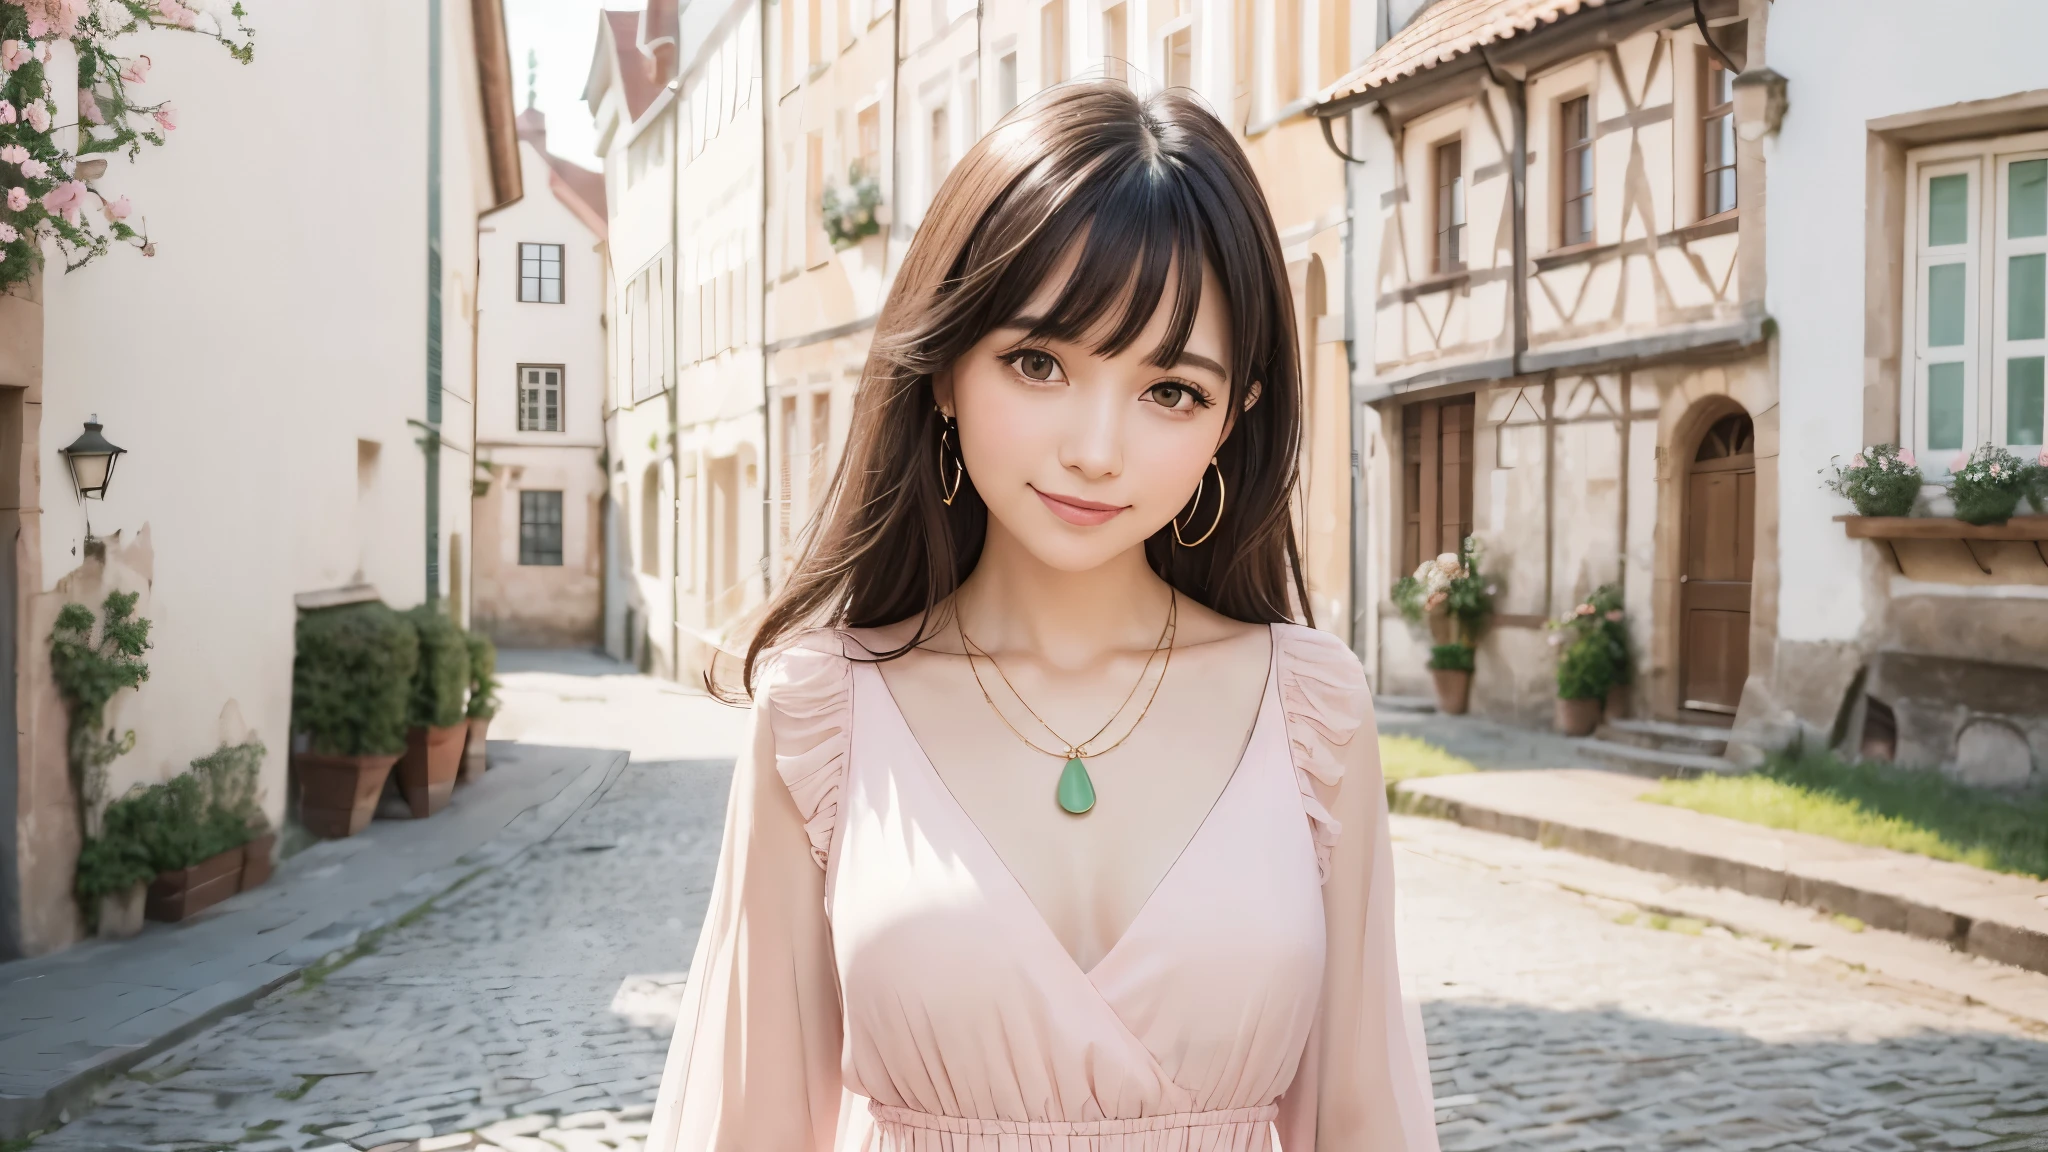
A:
1031	323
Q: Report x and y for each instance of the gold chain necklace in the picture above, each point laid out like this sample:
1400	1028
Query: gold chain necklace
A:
1076	791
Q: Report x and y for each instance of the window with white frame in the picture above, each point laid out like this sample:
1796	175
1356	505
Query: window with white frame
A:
1977	298
540	397
540	273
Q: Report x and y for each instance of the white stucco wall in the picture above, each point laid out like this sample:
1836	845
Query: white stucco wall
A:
1846	63
280	323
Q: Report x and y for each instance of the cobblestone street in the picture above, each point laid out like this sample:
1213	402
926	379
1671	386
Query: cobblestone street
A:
528	1010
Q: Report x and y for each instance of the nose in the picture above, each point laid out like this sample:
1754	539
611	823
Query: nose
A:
1092	444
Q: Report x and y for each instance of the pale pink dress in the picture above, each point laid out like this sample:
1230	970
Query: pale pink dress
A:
872	978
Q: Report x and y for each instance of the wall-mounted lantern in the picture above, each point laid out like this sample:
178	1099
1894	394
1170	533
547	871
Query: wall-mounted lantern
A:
92	458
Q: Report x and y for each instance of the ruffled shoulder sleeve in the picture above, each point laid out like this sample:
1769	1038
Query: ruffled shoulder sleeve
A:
807	687
1325	698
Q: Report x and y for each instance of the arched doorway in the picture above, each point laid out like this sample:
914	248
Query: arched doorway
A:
1719	551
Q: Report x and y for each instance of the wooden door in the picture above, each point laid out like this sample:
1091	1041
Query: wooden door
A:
1720	550
1436	458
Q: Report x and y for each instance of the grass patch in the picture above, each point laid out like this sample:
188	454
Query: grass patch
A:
1412	758
1903	809
1684	925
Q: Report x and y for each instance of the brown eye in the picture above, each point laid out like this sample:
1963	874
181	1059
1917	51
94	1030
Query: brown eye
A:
1169	395
1036	365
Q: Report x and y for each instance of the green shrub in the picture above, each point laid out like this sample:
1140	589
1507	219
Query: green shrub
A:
1881	480
353	679
1586	670
164	827
441	678
88	672
483	677
1451	658
1988	483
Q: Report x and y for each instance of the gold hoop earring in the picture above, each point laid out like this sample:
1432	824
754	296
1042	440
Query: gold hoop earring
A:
947	492
1197	503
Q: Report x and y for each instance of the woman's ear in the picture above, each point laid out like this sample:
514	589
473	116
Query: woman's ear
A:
1251	395
942	391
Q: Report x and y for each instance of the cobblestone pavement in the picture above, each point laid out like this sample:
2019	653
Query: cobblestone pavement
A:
527	1011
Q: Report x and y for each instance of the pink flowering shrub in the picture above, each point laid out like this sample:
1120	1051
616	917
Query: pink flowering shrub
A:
1881	480
49	186
1987	484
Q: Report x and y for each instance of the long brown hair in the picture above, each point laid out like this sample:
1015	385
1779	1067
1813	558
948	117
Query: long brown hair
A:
1153	190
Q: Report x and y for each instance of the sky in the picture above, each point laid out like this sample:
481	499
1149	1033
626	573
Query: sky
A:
562	34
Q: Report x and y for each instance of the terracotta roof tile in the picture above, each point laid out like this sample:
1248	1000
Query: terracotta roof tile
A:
636	68
1445	31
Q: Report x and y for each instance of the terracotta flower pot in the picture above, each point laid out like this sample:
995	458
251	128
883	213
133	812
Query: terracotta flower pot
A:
338	794
1453	691
175	895
426	773
1578	717
258	860
476	753
121	912
1618	707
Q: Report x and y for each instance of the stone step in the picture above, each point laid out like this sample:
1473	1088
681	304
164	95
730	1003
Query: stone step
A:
1418	704
1665	736
1654	762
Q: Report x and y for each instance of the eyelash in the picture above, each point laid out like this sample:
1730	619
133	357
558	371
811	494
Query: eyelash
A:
1194	392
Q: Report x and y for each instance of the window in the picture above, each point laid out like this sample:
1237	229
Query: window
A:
821	448
1052	43
1006	82
1286	51
1979	243
540	528
1575	151
650	520
869	126
1180	58
1450	206
540	398
940	154
1717	139
540	273
1116	52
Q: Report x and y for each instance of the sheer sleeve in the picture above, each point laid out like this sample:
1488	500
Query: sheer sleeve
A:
1363	1082
754	1065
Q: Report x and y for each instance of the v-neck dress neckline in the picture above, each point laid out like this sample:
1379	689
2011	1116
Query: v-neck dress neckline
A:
1268	698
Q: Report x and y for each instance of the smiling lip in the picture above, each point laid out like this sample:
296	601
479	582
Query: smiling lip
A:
1085	513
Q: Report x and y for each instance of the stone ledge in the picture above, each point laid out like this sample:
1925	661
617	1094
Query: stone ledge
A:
1996	916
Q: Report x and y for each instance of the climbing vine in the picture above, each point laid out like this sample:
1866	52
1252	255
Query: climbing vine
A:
88	672
48	189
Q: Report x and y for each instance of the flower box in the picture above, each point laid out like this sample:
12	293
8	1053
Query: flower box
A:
174	896
1946	550
259	860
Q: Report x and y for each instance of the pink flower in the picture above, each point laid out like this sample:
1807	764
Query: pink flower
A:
1856	461
137	70
7	113
13	54
89	107
118	209
37	115
1961	462
1583	610
35	169
66	200
167	118
8	235
17	198
2042	459
38	28
176	13
1614	615
13	154
1906	458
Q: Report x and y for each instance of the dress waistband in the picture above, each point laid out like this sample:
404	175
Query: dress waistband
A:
1224	1130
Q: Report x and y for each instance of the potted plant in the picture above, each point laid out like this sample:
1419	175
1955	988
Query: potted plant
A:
1593	660
114	873
483	704
1987	484
434	714
1451	593
230	774
351	684
195	846
1881	480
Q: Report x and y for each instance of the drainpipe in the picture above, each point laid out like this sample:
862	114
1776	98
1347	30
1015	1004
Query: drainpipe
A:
1518	175
675	380
1356	431
430	440
761	346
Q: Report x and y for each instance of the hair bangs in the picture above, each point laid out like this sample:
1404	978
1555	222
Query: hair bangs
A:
1139	236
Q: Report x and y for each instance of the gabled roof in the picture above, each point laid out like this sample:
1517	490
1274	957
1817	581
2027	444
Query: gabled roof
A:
619	55
1445	31
580	190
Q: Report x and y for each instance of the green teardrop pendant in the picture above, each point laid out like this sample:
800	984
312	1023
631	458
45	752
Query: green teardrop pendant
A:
1077	791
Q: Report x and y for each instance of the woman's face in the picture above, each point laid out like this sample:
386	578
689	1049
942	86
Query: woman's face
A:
1081	456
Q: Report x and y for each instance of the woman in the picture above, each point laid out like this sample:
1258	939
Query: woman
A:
1056	835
